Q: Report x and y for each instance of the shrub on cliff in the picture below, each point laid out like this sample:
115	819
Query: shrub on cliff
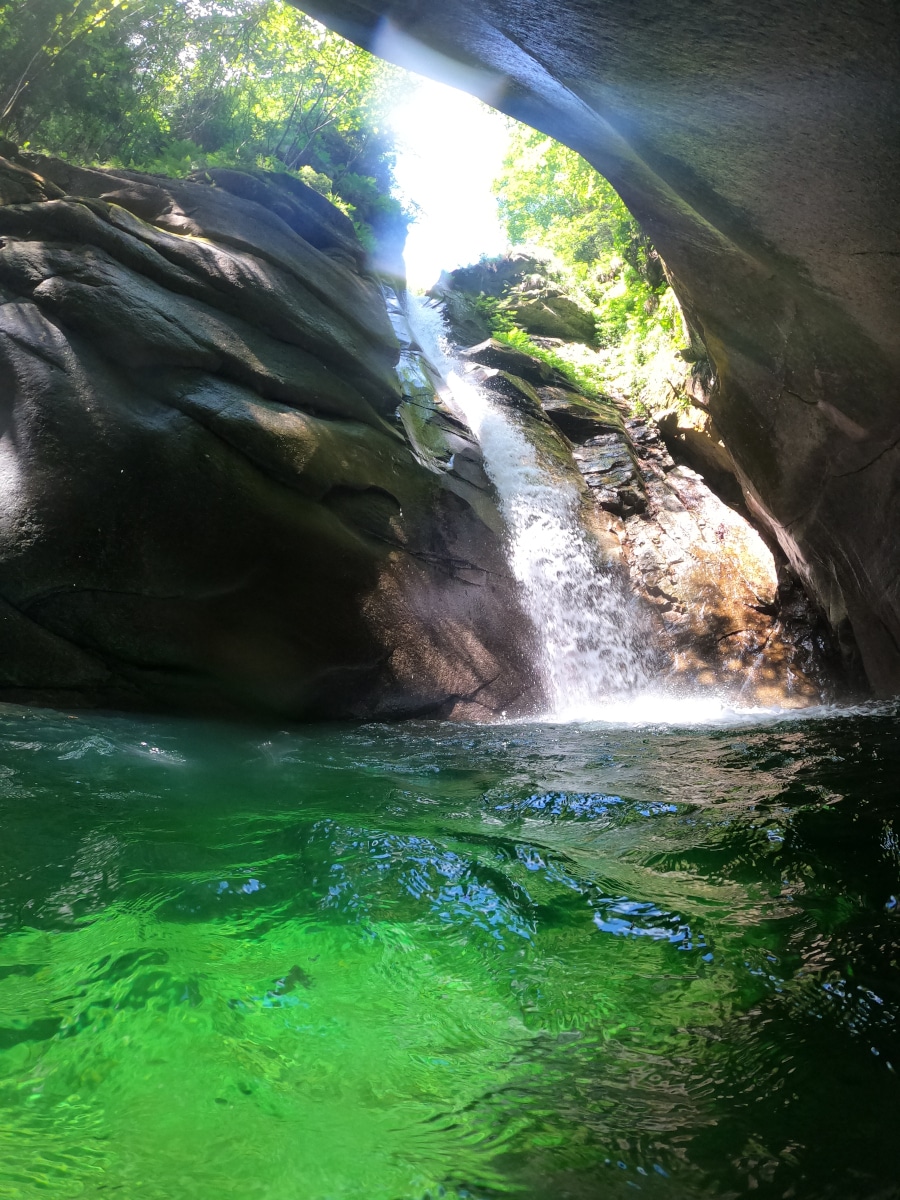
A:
549	197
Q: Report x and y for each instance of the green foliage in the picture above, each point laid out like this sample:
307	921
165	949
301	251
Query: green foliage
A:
581	371
176	85
550	198
490	308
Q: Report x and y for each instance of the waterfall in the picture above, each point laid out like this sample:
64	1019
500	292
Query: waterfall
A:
593	648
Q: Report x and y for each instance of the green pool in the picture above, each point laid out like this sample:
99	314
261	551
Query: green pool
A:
422	960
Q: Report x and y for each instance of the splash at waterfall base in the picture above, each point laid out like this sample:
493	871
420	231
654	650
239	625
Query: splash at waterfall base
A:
644	587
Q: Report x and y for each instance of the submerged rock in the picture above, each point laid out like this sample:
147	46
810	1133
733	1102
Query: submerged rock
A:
209	500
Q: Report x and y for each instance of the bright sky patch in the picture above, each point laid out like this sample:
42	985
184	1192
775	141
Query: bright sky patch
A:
449	150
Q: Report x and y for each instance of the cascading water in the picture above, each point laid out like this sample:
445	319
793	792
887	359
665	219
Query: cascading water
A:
593	647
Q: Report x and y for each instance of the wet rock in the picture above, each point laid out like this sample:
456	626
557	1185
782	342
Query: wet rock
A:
512	390
721	614
691	436
547	310
491	353
579	417
218	493
711	581
525	290
794	288
466	321
491	277
610	456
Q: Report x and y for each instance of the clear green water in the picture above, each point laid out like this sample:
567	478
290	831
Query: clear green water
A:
396	962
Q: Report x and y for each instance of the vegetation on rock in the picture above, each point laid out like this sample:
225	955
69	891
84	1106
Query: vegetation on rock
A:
552	200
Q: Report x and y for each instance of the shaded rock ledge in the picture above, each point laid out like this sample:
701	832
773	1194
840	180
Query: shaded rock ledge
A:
209	499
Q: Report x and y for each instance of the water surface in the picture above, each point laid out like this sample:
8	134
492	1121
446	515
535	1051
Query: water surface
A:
391	962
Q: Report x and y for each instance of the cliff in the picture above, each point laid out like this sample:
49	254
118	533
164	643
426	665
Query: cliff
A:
214	496
757	146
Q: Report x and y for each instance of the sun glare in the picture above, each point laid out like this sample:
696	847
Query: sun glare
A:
449	150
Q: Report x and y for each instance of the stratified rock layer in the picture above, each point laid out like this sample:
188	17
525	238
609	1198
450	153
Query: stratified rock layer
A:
757	145
208	501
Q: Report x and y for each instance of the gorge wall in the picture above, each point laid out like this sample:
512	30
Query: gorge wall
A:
231	482
757	145
216	493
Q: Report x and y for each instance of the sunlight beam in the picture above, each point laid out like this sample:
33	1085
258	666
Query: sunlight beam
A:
449	150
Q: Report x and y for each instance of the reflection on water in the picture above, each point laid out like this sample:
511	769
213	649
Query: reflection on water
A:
391	962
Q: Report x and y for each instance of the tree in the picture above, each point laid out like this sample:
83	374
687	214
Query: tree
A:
175	85
550	197
34	36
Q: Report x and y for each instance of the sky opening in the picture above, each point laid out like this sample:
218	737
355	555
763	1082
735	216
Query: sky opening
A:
450	148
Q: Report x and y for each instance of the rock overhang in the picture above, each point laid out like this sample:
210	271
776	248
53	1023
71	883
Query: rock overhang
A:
757	147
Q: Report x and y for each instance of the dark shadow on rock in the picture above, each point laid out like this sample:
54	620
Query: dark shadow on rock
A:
209	501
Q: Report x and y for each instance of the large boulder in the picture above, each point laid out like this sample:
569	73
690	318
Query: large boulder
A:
526	289
545	309
757	145
213	495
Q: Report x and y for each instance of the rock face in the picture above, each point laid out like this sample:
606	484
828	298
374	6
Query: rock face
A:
542	308
757	145
528	293
208	501
719	615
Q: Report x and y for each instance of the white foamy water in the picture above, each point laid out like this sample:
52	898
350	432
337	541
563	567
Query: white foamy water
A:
595	651
592	646
689	710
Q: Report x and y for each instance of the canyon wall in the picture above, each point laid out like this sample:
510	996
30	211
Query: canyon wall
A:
216	492
757	145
